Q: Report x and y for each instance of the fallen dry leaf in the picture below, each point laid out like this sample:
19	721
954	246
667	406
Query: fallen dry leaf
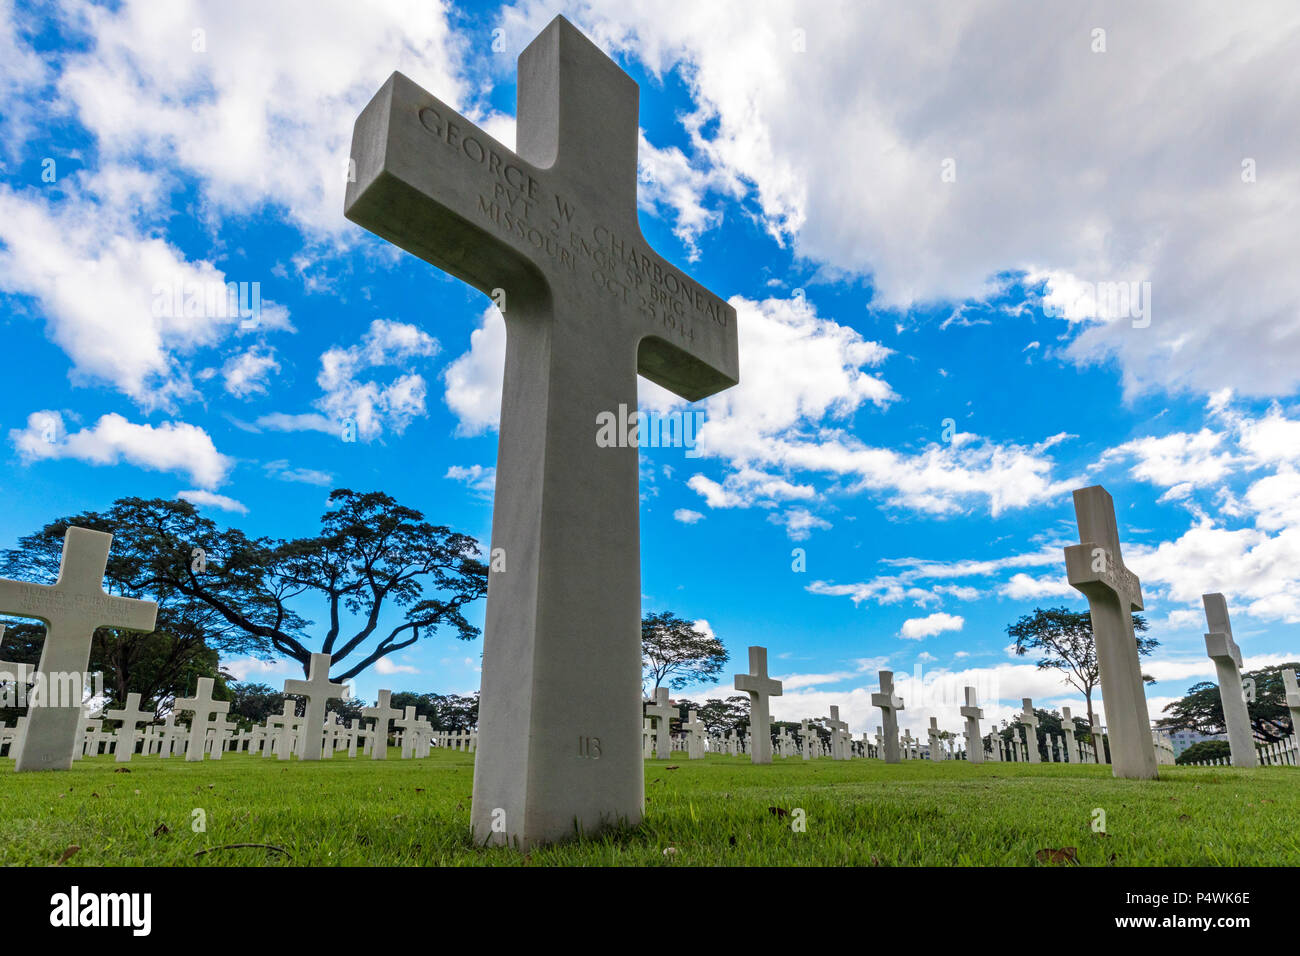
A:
1066	854
68	854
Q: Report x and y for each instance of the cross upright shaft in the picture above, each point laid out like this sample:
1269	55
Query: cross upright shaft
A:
588	307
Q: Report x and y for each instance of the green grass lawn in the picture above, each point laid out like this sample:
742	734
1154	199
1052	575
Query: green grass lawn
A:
717	811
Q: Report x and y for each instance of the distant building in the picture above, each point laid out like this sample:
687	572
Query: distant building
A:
1182	739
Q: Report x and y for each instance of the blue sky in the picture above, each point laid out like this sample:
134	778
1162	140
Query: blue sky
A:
919	229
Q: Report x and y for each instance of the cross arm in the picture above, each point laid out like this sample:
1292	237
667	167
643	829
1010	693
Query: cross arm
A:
1081	562
1222	648
425	178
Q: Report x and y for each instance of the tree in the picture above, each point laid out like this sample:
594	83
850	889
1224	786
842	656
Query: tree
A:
1202	709
187	636
1204	750
719	716
674	652
1066	641
444	712
371	554
251	704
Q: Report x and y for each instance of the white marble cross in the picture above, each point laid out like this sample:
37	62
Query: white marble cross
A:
204	708
409	725
1029	721
1072	752
131	715
219	731
317	690
1223	650
72	608
811	740
662	711
936	744
284	722
973	714
839	735
694	737
759	687
889	706
554	228
1292	699
382	713
1095	566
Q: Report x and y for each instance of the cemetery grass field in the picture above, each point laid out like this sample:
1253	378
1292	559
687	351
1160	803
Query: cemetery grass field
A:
716	811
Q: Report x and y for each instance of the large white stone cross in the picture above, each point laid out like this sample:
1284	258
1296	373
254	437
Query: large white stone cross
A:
553	228
131	715
1223	650
1096	567
317	690
382	713
1029	721
204	708
72	608
889	707
662	711
973	714
759	687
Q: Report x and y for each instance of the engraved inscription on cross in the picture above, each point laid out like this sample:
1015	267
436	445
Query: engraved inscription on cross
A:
72	608
551	231
1096	567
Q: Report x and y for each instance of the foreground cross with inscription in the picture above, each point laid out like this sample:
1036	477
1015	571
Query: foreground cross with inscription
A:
1096	567
1223	650
72	608
588	305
